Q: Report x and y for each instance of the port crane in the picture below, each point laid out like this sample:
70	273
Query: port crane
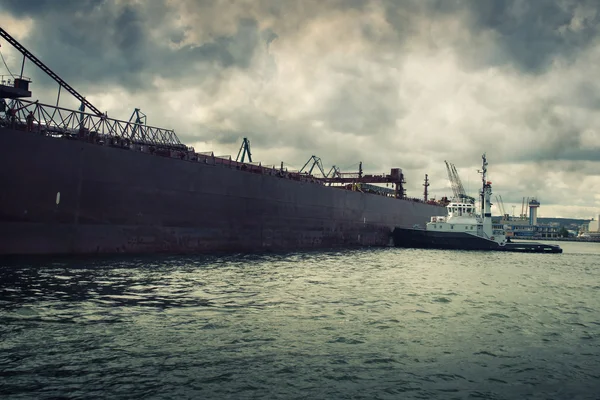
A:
501	206
457	187
524	211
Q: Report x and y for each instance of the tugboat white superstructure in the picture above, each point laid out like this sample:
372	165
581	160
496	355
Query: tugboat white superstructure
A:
466	228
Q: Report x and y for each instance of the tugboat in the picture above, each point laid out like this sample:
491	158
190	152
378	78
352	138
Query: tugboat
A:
464	228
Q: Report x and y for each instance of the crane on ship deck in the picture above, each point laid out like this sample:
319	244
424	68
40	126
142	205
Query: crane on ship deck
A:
316	162
61	120
395	178
244	149
27	54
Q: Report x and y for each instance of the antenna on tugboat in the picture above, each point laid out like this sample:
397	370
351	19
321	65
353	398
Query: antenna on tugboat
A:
483	172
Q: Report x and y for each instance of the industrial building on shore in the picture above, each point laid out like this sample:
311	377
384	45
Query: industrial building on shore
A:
590	230
526	225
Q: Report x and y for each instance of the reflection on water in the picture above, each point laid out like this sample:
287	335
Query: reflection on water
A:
385	323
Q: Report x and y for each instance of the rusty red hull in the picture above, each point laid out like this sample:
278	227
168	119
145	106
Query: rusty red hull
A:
61	196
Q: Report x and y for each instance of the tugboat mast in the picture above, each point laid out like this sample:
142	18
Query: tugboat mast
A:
486	191
484	184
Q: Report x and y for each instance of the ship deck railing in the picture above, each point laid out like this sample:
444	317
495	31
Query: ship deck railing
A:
59	122
53	119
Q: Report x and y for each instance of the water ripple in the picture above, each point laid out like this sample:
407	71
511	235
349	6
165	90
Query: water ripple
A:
384	323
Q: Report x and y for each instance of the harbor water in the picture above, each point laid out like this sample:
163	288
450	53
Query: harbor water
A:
360	324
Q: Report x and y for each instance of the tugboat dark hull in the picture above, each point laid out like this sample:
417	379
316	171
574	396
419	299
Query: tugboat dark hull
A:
423	239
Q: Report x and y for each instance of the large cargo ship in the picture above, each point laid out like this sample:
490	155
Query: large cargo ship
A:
75	182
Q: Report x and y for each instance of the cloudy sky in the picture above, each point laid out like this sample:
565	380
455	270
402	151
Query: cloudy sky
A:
404	84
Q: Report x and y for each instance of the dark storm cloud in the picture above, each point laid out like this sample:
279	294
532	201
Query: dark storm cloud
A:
32	8
533	34
104	42
108	42
529	34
